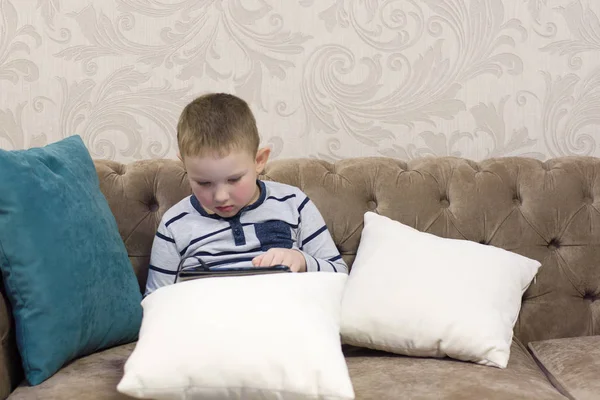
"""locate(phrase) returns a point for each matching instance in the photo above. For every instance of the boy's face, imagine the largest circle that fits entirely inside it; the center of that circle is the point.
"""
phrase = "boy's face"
(224, 185)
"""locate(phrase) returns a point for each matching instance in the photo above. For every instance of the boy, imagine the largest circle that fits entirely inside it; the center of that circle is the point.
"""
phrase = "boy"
(232, 219)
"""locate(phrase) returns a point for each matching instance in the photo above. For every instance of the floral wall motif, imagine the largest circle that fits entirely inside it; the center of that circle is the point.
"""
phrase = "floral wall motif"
(329, 79)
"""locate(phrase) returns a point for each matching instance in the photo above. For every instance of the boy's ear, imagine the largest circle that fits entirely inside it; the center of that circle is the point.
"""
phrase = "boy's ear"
(262, 156)
(179, 156)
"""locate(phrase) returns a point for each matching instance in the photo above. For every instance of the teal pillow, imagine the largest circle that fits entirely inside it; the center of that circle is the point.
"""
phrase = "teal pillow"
(64, 265)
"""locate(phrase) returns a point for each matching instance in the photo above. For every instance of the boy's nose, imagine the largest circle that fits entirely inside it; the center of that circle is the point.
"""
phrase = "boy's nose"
(221, 196)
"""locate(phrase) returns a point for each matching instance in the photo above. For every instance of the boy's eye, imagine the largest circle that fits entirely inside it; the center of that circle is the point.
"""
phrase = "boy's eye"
(233, 180)
(203, 183)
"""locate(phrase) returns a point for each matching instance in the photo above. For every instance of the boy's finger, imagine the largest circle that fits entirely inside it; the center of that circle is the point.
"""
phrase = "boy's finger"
(278, 259)
(256, 260)
(267, 260)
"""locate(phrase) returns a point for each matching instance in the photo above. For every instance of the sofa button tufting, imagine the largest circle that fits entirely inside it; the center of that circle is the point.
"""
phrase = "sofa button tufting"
(517, 200)
(153, 205)
(120, 170)
(444, 202)
(588, 200)
(591, 297)
(554, 244)
(372, 205)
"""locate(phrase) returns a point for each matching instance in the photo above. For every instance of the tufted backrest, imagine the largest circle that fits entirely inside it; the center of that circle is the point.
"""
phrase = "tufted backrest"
(547, 211)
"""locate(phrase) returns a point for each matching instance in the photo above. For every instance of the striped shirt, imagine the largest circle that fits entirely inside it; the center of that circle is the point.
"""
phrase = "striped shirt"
(282, 217)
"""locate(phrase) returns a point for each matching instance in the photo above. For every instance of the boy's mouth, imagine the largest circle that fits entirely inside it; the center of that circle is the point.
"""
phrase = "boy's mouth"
(224, 209)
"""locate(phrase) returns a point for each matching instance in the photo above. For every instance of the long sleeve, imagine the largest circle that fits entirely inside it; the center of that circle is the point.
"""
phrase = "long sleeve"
(316, 243)
(164, 260)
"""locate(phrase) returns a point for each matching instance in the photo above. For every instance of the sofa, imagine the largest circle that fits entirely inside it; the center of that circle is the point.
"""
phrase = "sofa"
(549, 211)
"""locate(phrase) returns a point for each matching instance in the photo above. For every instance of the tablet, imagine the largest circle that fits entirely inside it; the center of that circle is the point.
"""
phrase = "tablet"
(201, 272)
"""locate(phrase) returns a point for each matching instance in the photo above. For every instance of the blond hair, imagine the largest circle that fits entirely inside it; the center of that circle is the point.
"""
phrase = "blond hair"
(217, 123)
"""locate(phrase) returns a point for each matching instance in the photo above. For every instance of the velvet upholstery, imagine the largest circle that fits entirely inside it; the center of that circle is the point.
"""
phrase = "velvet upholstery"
(544, 210)
(11, 372)
(571, 364)
(548, 211)
(375, 375)
(379, 375)
(89, 378)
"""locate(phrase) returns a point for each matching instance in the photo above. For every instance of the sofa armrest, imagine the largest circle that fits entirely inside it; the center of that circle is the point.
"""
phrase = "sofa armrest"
(11, 372)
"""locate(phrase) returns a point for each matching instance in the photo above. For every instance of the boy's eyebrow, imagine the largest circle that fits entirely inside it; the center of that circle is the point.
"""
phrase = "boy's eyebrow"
(240, 173)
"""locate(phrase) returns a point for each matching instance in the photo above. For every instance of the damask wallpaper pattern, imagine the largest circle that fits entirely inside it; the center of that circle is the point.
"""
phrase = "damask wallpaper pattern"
(326, 78)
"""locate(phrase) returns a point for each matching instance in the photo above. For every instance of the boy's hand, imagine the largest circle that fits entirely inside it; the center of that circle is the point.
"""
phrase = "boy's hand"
(288, 257)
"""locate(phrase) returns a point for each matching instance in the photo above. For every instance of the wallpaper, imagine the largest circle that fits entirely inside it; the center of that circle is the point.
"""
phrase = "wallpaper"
(328, 79)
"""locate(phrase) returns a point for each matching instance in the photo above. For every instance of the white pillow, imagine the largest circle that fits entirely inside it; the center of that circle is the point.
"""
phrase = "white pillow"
(254, 337)
(417, 294)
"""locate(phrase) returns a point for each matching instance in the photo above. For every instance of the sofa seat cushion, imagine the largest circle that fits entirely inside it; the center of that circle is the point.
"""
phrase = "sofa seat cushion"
(375, 375)
(380, 375)
(571, 364)
(88, 378)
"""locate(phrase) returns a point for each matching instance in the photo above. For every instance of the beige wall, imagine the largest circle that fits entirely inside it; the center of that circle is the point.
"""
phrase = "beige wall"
(328, 79)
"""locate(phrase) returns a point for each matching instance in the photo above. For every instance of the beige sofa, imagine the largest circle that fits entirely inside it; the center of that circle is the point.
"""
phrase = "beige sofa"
(548, 211)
